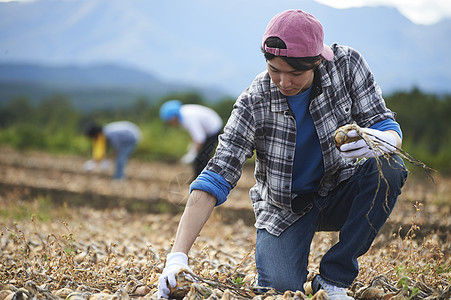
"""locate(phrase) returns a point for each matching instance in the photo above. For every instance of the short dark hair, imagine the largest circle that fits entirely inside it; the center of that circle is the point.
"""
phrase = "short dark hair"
(298, 63)
(92, 129)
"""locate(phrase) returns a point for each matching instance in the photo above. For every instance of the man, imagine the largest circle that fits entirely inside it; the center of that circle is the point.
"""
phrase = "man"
(304, 184)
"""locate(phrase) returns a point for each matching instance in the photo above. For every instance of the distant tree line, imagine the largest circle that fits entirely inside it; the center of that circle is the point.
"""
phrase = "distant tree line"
(426, 125)
(54, 125)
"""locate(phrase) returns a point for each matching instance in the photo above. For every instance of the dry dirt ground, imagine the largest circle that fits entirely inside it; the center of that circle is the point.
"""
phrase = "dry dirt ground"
(69, 234)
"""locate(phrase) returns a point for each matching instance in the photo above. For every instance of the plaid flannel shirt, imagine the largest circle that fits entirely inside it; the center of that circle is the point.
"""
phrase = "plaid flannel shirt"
(344, 92)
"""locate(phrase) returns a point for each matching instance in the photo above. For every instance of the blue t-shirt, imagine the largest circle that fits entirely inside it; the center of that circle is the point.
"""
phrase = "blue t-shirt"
(308, 160)
(308, 168)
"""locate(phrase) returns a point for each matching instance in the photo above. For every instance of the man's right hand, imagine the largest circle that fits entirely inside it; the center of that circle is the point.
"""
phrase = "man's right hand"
(197, 210)
(174, 262)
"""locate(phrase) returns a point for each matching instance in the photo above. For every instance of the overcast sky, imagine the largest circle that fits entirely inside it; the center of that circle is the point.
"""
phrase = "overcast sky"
(424, 12)
(418, 11)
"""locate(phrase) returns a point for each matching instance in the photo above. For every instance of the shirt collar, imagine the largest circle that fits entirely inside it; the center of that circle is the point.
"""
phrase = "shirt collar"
(279, 102)
(323, 74)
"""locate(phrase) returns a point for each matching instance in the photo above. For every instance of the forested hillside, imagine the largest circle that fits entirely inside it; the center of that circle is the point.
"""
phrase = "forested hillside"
(54, 125)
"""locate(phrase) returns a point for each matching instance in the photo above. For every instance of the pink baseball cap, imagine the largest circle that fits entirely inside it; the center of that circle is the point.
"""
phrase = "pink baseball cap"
(301, 32)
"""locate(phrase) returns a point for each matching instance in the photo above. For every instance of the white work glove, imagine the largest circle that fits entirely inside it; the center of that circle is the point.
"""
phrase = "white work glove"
(360, 149)
(105, 164)
(189, 157)
(174, 262)
(89, 165)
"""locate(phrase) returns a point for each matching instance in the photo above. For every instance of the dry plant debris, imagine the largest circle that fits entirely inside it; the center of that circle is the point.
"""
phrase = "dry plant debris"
(50, 249)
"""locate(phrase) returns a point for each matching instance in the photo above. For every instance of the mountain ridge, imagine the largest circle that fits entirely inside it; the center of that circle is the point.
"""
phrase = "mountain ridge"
(107, 74)
(216, 43)
(98, 86)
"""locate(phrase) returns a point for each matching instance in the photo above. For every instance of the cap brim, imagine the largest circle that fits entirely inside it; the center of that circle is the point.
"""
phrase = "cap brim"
(327, 53)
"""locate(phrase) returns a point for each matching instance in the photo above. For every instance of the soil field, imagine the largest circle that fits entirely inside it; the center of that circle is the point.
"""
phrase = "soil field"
(69, 234)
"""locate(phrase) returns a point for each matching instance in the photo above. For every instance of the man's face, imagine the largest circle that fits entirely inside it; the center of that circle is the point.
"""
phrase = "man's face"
(289, 81)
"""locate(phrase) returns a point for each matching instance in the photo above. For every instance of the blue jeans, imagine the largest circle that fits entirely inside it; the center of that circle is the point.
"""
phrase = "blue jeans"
(122, 155)
(353, 208)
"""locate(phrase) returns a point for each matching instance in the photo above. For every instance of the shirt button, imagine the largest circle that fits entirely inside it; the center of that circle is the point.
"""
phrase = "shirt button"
(290, 157)
(287, 186)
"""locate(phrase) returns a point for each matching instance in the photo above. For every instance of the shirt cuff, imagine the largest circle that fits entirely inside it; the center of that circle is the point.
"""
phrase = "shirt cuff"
(388, 124)
(213, 184)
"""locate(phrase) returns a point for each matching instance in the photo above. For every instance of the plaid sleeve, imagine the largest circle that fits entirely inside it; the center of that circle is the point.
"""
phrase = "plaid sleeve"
(236, 143)
(368, 104)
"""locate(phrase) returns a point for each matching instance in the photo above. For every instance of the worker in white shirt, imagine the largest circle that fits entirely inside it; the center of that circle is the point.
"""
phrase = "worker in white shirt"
(202, 123)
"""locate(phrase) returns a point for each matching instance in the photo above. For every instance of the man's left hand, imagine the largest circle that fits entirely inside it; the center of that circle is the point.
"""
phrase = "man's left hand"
(385, 140)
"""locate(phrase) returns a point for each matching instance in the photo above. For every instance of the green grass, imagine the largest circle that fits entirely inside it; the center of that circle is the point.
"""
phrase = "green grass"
(40, 209)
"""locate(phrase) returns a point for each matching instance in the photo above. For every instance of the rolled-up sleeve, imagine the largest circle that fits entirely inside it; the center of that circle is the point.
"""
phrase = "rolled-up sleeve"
(213, 184)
